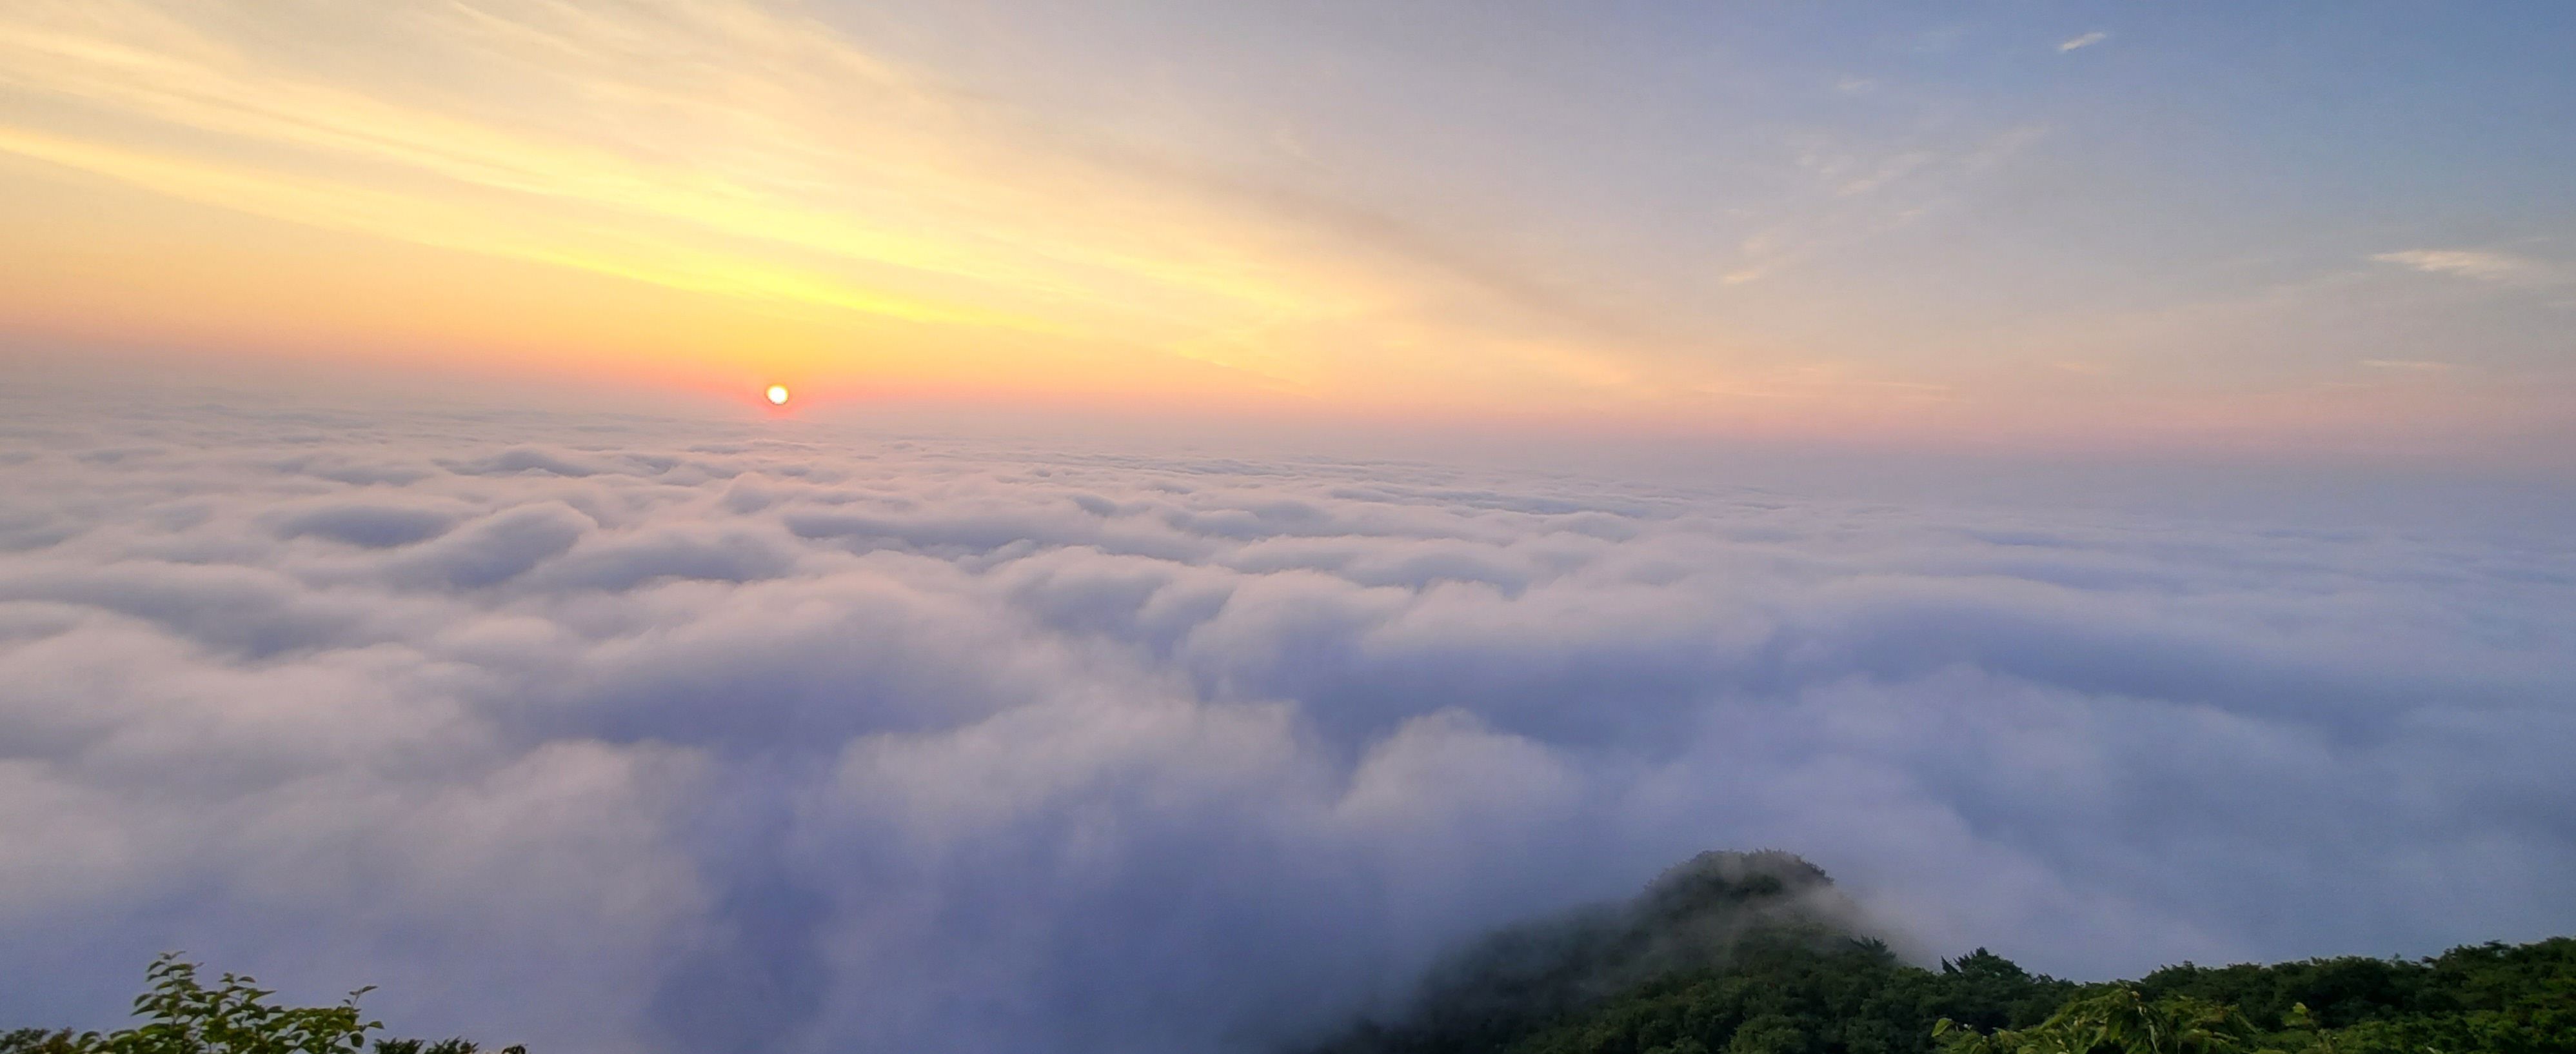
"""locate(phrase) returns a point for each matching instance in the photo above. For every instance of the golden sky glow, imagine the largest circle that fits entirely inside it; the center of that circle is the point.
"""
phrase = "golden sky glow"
(716, 193)
(876, 226)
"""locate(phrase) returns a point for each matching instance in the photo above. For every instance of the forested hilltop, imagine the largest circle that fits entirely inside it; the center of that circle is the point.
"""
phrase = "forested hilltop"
(1755, 954)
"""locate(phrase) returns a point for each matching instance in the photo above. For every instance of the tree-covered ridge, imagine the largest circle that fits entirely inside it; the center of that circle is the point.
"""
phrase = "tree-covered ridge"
(2489, 999)
(1749, 954)
(1796, 988)
(1729, 953)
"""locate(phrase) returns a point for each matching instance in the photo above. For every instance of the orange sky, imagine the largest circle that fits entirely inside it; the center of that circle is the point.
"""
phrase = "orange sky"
(718, 194)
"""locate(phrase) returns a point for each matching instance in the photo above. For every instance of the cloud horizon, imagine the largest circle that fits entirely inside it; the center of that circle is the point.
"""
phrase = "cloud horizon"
(631, 733)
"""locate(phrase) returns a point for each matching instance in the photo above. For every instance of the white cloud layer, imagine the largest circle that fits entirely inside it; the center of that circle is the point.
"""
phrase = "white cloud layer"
(620, 735)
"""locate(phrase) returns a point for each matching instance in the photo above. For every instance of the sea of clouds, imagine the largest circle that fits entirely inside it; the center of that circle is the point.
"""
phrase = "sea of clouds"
(611, 733)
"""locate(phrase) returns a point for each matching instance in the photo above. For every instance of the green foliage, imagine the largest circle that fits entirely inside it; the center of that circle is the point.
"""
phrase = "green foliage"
(2489, 999)
(1786, 990)
(1782, 993)
(1775, 984)
(1710, 911)
(2116, 1021)
(183, 1015)
(39, 1041)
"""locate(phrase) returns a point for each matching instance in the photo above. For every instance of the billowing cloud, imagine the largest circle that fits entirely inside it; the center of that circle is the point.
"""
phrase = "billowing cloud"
(679, 736)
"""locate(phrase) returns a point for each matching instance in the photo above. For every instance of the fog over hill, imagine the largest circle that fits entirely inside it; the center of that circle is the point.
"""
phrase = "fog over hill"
(611, 733)
(1693, 917)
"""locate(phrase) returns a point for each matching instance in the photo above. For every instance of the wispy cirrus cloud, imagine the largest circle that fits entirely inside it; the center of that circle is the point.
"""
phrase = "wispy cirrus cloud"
(2483, 265)
(2085, 41)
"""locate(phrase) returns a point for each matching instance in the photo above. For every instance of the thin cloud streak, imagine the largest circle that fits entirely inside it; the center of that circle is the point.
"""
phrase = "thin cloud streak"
(2483, 265)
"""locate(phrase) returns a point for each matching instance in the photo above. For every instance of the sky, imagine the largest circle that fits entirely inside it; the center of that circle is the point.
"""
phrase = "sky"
(1270, 494)
(2267, 230)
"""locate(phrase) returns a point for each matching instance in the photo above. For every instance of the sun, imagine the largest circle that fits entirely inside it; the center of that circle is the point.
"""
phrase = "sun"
(778, 395)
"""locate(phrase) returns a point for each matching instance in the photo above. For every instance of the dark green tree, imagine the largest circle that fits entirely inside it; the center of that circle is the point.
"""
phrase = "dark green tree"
(183, 1015)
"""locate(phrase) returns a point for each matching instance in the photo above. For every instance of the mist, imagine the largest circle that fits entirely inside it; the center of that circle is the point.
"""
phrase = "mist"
(656, 732)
